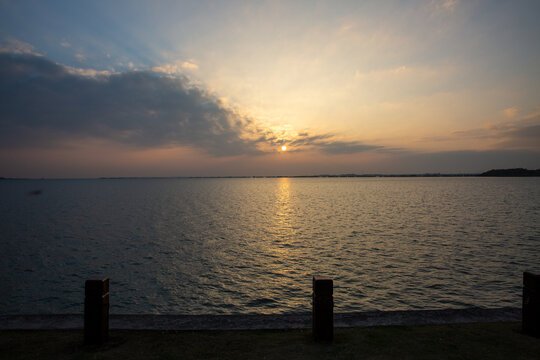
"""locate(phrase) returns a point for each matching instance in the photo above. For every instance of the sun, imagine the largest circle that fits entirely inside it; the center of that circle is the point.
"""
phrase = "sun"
(283, 148)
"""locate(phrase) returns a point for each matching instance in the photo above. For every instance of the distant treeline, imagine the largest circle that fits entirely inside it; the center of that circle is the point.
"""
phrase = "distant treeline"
(511, 172)
(494, 172)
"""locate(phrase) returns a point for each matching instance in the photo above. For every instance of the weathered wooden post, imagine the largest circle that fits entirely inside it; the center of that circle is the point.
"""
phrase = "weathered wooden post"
(96, 311)
(531, 304)
(323, 309)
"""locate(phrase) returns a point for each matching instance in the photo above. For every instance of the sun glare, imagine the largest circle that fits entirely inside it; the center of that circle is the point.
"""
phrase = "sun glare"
(283, 148)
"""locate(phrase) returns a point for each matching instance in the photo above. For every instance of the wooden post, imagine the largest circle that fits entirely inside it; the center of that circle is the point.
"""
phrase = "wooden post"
(323, 309)
(531, 304)
(96, 311)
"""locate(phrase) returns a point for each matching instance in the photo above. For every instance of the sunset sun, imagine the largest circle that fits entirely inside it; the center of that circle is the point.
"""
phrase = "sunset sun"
(283, 148)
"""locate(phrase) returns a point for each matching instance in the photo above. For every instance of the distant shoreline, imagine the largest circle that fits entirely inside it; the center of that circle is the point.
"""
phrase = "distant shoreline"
(517, 172)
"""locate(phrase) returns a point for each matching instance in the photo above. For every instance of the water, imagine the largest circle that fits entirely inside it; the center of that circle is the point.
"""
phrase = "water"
(208, 246)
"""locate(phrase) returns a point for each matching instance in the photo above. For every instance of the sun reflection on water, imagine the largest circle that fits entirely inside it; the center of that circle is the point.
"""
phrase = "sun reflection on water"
(283, 228)
(283, 207)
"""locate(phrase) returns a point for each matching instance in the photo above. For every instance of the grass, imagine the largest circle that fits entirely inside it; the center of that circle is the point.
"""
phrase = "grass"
(502, 340)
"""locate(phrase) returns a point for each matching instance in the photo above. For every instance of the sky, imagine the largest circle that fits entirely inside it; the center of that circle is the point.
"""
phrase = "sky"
(217, 88)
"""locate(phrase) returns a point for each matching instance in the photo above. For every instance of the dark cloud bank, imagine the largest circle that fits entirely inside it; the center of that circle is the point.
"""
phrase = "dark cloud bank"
(43, 103)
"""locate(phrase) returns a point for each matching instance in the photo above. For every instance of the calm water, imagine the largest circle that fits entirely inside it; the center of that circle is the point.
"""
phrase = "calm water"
(195, 246)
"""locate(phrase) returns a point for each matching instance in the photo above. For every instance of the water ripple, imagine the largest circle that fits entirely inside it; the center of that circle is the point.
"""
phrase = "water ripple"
(197, 246)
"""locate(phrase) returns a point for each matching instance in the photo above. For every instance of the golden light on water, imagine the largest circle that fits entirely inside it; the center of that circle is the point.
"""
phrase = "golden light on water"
(283, 148)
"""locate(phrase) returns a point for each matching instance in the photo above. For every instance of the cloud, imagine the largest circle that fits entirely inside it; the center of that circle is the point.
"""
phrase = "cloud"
(510, 112)
(526, 137)
(380, 73)
(450, 5)
(175, 68)
(171, 69)
(439, 7)
(346, 147)
(44, 103)
(532, 132)
(521, 133)
(189, 65)
(329, 144)
(87, 72)
(80, 56)
(14, 46)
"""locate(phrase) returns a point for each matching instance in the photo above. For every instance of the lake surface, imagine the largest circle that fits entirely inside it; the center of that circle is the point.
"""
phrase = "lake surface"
(210, 246)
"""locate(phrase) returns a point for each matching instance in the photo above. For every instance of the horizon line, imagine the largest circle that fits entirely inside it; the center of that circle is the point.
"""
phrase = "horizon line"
(518, 172)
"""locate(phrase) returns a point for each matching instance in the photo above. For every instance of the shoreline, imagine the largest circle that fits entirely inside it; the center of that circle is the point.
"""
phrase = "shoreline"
(263, 321)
